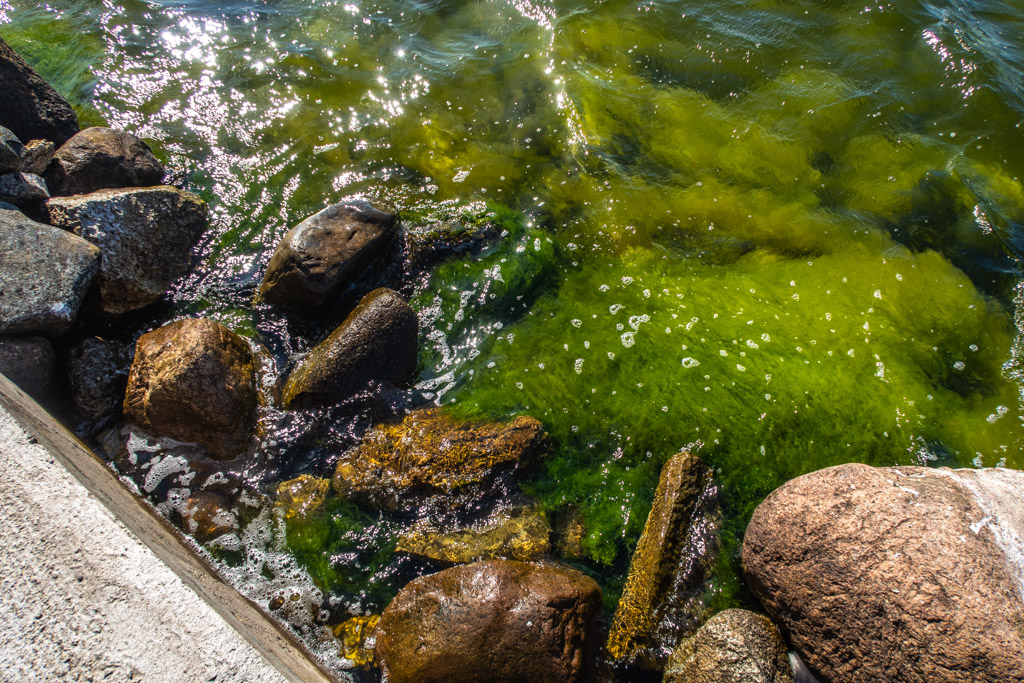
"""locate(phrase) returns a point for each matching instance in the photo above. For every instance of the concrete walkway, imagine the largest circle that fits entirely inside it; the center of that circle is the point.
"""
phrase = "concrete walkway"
(82, 599)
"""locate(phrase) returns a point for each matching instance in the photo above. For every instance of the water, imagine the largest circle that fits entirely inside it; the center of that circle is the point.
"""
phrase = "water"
(783, 234)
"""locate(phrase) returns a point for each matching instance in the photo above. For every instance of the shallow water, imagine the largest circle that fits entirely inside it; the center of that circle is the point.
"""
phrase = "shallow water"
(783, 234)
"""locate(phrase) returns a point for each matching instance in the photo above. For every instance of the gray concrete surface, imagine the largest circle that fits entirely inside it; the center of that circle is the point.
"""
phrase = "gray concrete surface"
(82, 599)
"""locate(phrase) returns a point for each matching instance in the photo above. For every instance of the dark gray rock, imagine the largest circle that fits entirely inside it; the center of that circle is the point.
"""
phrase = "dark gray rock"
(376, 342)
(29, 106)
(145, 235)
(97, 374)
(28, 362)
(11, 151)
(38, 154)
(100, 158)
(734, 646)
(22, 188)
(321, 256)
(44, 275)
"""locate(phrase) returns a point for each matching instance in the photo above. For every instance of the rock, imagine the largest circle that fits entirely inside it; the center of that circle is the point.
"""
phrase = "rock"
(734, 646)
(491, 621)
(28, 362)
(30, 107)
(97, 374)
(302, 496)
(376, 342)
(353, 635)
(430, 453)
(570, 530)
(895, 574)
(663, 591)
(37, 156)
(100, 158)
(44, 275)
(194, 381)
(22, 188)
(11, 151)
(523, 534)
(323, 254)
(145, 236)
(426, 246)
(205, 516)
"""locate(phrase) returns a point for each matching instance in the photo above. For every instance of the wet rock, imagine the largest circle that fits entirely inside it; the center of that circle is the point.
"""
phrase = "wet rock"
(22, 188)
(523, 534)
(97, 375)
(11, 151)
(662, 595)
(302, 496)
(354, 635)
(734, 646)
(37, 156)
(100, 158)
(426, 246)
(321, 256)
(44, 275)
(895, 574)
(430, 453)
(194, 381)
(376, 342)
(206, 516)
(145, 236)
(491, 621)
(28, 362)
(569, 534)
(30, 107)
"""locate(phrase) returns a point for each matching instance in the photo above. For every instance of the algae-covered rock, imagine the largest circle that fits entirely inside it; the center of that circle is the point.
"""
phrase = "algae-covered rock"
(570, 530)
(376, 342)
(522, 534)
(194, 381)
(321, 256)
(431, 453)
(99, 158)
(302, 496)
(734, 646)
(670, 561)
(491, 621)
(353, 635)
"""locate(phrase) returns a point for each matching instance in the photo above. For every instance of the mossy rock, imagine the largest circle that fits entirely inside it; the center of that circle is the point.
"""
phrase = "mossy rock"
(522, 534)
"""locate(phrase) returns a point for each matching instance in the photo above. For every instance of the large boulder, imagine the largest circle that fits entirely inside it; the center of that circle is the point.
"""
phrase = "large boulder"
(895, 574)
(664, 591)
(377, 342)
(44, 275)
(497, 620)
(521, 534)
(734, 646)
(29, 106)
(100, 158)
(321, 256)
(28, 362)
(97, 373)
(145, 236)
(429, 453)
(194, 381)
(12, 151)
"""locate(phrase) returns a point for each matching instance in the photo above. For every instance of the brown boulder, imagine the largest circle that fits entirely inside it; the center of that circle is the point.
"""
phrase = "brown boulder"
(895, 574)
(378, 341)
(321, 256)
(194, 381)
(100, 158)
(29, 106)
(734, 646)
(497, 620)
(430, 453)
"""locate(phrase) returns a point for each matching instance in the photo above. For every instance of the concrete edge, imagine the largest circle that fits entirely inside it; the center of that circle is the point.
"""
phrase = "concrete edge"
(282, 649)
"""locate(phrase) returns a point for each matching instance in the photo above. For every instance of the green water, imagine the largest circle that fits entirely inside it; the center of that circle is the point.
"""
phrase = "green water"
(785, 235)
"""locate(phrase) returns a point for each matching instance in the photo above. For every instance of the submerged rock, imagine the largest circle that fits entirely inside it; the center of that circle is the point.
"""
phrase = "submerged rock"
(97, 375)
(44, 272)
(354, 634)
(895, 574)
(194, 381)
(206, 516)
(322, 255)
(145, 235)
(11, 151)
(672, 559)
(29, 106)
(302, 496)
(22, 188)
(430, 453)
(100, 158)
(491, 621)
(734, 646)
(376, 342)
(29, 363)
(523, 534)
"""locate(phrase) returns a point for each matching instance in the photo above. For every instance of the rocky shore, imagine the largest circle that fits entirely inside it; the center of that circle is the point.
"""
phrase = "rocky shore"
(862, 573)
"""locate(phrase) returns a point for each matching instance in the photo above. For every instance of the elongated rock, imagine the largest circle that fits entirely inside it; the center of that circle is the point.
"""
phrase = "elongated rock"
(29, 106)
(522, 535)
(671, 558)
(100, 158)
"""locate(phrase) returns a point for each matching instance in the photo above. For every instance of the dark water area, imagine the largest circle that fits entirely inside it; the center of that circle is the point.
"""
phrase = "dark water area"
(782, 234)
